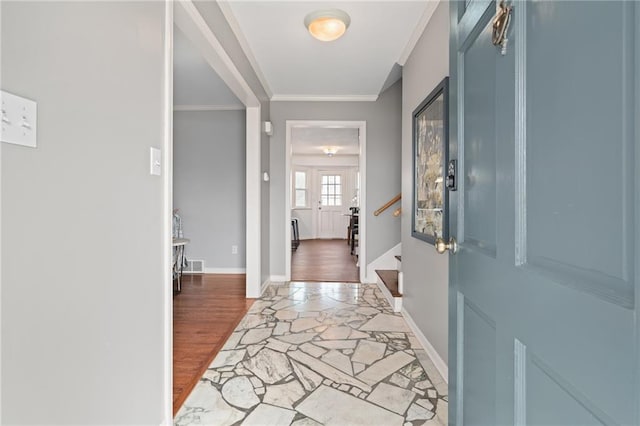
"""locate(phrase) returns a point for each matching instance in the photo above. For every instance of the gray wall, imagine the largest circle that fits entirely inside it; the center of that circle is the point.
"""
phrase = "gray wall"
(209, 184)
(82, 258)
(383, 164)
(426, 275)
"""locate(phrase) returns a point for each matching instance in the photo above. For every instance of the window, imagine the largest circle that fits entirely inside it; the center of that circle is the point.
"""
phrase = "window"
(300, 190)
(331, 192)
(355, 202)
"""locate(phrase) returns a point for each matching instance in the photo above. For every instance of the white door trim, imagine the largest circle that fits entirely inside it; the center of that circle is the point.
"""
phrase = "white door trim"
(0, 237)
(187, 17)
(362, 167)
(167, 217)
(253, 204)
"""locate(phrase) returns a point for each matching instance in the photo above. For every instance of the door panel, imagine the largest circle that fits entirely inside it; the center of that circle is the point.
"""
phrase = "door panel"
(554, 402)
(480, 344)
(585, 148)
(480, 151)
(543, 328)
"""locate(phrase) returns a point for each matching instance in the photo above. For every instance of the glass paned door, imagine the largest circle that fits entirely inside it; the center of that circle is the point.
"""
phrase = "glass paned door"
(331, 219)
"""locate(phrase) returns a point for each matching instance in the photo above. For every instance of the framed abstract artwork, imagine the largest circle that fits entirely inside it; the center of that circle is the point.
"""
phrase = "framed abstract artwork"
(430, 156)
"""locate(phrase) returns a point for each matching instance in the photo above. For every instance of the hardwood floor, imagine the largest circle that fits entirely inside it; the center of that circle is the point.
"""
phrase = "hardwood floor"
(204, 315)
(324, 260)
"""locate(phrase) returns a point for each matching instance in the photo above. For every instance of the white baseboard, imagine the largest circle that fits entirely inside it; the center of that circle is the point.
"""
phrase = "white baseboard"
(278, 279)
(395, 302)
(225, 270)
(386, 261)
(264, 286)
(439, 363)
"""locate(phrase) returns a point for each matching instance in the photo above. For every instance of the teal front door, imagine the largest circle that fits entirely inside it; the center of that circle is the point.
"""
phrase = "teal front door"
(544, 287)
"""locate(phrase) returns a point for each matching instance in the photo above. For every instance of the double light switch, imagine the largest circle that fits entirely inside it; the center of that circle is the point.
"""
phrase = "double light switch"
(19, 120)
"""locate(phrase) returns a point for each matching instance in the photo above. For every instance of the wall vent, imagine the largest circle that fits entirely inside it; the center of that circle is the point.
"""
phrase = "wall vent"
(194, 267)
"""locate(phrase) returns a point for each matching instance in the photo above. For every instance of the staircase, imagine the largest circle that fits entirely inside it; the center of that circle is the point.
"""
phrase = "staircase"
(390, 283)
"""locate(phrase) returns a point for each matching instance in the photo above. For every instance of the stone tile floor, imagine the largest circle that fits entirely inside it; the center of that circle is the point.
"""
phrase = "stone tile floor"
(319, 354)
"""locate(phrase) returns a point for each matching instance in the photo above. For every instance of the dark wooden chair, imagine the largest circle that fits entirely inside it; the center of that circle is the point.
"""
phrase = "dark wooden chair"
(295, 234)
(353, 211)
(354, 233)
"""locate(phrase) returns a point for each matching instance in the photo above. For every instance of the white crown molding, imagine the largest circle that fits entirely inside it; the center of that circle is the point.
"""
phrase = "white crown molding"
(315, 155)
(244, 44)
(417, 33)
(324, 98)
(208, 107)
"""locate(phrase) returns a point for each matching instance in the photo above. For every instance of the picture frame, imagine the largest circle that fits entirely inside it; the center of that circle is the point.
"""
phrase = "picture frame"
(430, 157)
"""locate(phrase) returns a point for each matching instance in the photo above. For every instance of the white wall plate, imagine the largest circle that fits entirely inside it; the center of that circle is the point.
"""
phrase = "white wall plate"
(19, 120)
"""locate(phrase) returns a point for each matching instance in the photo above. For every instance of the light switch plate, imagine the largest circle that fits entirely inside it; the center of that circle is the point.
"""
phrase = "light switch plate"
(155, 157)
(267, 127)
(19, 120)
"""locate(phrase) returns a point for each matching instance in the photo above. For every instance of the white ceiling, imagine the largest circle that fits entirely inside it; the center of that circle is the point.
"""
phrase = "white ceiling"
(195, 83)
(293, 65)
(311, 140)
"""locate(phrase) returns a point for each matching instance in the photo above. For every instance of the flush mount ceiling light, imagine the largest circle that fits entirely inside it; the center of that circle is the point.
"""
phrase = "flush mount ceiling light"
(330, 150)
(327, 25)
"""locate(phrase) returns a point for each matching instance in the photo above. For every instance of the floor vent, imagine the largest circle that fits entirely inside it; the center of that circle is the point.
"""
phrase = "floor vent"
(194, 267)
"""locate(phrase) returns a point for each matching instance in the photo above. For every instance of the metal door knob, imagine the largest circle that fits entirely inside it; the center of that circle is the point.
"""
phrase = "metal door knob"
(442, 245)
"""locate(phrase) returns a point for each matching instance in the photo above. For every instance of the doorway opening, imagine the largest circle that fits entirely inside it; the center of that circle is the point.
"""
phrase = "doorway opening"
(209, 90)
(209, 191)
(325, 232)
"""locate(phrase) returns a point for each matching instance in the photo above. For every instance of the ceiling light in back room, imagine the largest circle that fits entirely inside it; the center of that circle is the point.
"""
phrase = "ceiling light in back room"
(327, 25)
(330, 150)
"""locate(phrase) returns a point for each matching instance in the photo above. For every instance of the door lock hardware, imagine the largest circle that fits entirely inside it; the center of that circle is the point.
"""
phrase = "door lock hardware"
(442, 246)
(450, 181)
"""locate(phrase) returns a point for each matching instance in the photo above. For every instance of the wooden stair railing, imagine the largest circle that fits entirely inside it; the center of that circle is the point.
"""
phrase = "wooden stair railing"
(388, 204)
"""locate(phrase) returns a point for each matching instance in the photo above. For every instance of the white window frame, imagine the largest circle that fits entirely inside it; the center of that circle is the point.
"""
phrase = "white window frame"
(336, 197)
(294, 189)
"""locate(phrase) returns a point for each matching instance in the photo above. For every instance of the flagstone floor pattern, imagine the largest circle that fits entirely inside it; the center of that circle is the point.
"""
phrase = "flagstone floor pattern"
(319, 354)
